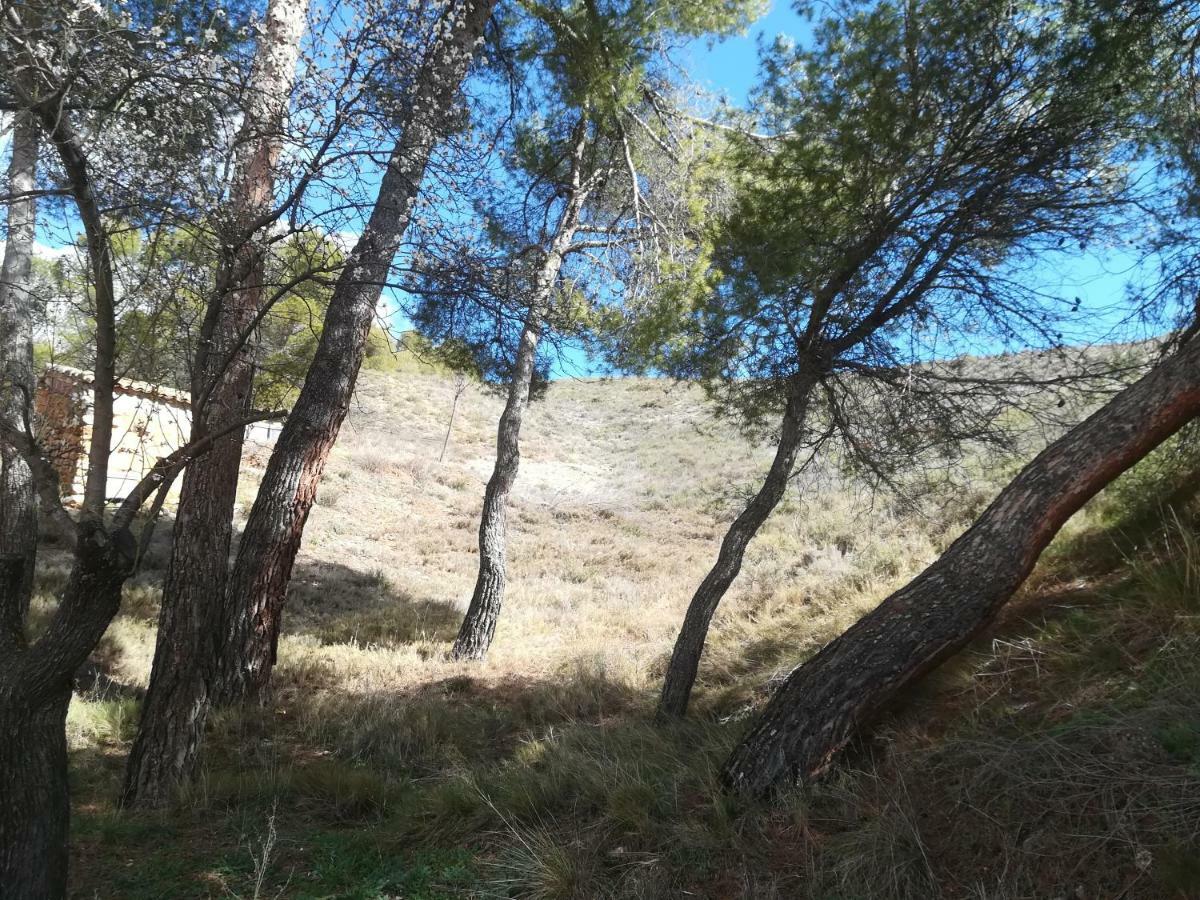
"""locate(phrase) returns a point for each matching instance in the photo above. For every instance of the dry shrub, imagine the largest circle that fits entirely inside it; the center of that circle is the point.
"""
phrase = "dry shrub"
(377, 461)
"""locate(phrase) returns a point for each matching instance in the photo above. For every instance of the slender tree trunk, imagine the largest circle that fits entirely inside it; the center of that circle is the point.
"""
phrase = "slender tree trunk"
(254, 598)
(173, 715)
(18, 499)
(826, 699)
(685, 659)
(460, 385)
(479, 625)
(69, 145)
(34, 809)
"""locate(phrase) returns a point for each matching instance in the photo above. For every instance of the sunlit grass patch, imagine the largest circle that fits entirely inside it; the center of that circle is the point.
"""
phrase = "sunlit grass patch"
(92, 723)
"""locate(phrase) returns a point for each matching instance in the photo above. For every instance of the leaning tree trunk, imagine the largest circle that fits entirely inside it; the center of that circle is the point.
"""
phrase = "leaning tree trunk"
(825, 700)
(35, 690)
(249, 629)
(173, 715)
(685, 659)
(18, 504)
(479, 625)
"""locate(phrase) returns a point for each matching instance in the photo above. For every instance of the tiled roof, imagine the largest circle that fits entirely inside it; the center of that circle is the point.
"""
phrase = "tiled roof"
(127, 385)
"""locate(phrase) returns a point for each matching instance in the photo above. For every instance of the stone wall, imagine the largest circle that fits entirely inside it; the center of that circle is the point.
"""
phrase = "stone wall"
(61, 405)
(149, 422)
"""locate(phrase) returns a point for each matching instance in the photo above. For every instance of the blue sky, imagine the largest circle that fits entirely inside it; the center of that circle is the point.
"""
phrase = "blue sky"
(732, 65)
(729, 68)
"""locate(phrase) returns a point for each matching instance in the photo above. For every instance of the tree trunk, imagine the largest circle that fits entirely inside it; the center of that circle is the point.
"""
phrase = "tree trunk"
(61, 132)
(249, 630)
(174, 712)
(35, 690)
(479, 625)
(18, 511)
(35, 809)
(35, 678)
(825, 700)
(685, 659)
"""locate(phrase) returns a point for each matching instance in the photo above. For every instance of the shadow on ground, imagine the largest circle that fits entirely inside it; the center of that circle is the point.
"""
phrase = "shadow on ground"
(337, 604)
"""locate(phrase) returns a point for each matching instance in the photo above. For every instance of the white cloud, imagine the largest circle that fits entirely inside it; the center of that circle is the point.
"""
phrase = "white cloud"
(42, 251)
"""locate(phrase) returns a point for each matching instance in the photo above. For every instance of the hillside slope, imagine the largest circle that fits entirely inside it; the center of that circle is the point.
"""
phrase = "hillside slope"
(624, 491)
(383, 769)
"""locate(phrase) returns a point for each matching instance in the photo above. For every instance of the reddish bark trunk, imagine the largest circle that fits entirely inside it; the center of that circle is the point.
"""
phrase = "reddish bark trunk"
(258, 584)
(174, 712)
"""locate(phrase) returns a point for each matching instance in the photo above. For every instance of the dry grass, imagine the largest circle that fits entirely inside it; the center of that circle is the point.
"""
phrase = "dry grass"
(624, 492)
(389, 770)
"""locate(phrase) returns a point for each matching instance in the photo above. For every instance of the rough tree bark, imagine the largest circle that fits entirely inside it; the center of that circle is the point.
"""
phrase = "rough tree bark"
(35, 689)
(18, 509)
(34, 803)
(685, 658)
(479, 625)
(172, 720)
(822, 702)
(249, 630)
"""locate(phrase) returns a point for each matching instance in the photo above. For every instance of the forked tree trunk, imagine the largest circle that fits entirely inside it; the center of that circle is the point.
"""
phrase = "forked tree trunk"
(822, 703)
(479, 625)
(685, 659)
(35, 690)
(249, 629)
(173, 715)
(35, 679)
(18, 504)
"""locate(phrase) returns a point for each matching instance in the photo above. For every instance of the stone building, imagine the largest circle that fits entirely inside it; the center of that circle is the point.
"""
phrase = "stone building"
(149, 422)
